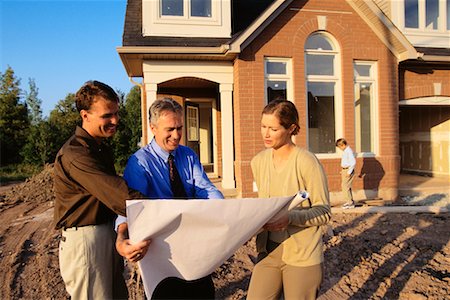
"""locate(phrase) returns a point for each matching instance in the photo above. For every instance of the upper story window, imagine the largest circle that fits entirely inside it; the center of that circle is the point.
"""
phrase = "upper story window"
(425, 23)
(278, 79)
(424, 14)
(186, 18)
(183, 8)
(411, 13)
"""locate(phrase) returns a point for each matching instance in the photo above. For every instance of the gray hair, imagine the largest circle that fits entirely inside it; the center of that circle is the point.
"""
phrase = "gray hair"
(162, 105)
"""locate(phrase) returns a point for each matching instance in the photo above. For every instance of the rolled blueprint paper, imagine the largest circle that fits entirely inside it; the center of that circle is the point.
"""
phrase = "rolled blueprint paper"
(299, 198)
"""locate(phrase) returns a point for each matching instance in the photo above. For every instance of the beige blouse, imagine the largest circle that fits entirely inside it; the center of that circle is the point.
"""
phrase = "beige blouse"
(302, 241)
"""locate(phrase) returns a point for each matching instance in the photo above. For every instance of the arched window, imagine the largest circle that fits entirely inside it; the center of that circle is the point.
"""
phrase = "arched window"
(322, 77)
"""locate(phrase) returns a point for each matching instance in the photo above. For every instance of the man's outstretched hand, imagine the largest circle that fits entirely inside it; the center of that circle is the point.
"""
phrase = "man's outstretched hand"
(132, 252)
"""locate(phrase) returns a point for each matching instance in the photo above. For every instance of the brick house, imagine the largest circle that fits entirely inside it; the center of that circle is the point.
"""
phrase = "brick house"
(344, 63)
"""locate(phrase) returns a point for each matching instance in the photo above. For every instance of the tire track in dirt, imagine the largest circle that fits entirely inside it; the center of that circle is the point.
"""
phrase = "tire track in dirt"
(29, 255)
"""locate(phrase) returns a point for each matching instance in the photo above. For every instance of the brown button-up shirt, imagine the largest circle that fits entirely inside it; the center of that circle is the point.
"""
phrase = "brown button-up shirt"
(88, 190)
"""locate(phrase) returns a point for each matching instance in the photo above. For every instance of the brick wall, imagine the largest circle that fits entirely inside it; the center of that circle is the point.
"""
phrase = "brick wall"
(285, 37)
(420, 81)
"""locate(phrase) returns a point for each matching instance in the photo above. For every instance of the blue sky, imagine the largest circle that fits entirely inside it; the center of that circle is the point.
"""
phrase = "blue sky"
(62, 44)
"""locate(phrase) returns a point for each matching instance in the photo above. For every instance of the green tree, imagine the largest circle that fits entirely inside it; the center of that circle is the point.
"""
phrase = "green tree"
(34, 103)
(14, 122)
(62, 120)
(38, 147)
(125, 141)
(42, 144)
(133, 118)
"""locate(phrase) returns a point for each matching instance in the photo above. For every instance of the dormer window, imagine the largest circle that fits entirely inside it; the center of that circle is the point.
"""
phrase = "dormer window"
(186, 8)
(427, 12)
(426, 23)
(186, 18)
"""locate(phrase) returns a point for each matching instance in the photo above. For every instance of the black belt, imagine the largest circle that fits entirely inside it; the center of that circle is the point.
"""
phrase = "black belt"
(75, 228)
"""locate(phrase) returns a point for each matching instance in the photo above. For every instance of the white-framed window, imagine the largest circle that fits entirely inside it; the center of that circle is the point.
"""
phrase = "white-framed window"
(277, 73)
(186, 8)
(322, 67)
(186, 18)
(365, 89)
(424, 22)
(192, 123)
(426, 14)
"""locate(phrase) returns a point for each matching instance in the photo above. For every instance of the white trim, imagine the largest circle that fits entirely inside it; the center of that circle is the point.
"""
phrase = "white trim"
(336, 79)
(158, 71)
(322, 22)
(140, 50)
(436, 58)
(213, 103)
(365, 154)
(338, 155)
(226, 109)
(327, 155)
(434, 100)
(192, 136)
(187, 18)
(217, 26)
(374, 103)
(279, 77)
(214, 132)
(428, 39)
(421, 36)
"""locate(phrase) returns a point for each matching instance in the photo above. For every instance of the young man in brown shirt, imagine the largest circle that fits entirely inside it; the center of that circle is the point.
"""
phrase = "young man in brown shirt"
(89, 195)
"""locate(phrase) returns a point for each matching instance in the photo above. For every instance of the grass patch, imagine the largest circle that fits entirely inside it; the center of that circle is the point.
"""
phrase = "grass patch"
(18, 172)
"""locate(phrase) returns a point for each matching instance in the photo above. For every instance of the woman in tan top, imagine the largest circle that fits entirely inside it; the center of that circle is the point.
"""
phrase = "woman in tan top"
(290, 249)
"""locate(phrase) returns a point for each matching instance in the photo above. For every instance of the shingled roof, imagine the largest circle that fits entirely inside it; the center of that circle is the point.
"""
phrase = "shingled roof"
(244, 12)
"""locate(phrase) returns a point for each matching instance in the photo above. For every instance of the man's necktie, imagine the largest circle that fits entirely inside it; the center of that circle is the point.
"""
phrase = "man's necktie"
(175, 180)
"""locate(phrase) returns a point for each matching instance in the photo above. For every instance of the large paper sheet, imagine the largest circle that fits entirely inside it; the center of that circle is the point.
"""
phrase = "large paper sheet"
(190, 239)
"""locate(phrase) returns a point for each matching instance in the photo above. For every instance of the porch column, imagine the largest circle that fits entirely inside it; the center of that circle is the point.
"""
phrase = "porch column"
(150, 90)
(226, 108)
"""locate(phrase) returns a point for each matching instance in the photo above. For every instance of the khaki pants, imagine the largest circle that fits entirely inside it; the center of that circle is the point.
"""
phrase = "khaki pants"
(90, 266)
(271, 276)
(346, 185)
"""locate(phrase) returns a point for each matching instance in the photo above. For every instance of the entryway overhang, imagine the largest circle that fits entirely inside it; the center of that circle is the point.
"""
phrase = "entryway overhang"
(133, 57)
(428, 101)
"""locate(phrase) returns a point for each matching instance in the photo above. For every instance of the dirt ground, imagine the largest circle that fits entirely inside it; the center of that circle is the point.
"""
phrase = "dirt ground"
(367, 256)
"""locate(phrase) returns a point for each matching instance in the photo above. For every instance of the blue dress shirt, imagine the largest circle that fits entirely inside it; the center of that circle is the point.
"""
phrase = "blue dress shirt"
(147, 171)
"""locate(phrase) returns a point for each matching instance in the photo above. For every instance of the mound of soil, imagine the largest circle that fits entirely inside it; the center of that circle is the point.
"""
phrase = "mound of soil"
(367, 256)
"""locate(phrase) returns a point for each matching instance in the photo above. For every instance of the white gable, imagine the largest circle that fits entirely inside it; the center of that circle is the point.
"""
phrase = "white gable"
(183, 19)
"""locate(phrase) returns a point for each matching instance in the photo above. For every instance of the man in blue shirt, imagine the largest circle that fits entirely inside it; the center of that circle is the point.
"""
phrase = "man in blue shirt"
(150, 172)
